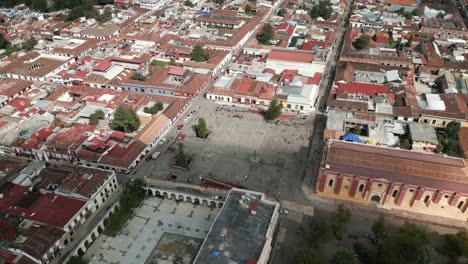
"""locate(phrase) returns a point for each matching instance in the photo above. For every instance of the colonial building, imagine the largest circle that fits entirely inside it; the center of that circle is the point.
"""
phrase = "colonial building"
(395, 179)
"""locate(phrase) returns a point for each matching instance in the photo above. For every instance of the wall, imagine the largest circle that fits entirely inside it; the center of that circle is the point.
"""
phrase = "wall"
(392, 195)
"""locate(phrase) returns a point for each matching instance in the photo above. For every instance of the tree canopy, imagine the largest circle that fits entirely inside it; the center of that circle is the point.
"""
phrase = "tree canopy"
(274, 111)
(345, 256)
(154, 109)
(3, 42)
(341, 219)
(181, 158)
(95, 117)
(266, 35)
(189, 3)
(202, 131)
(125, 120)
(362, 42)
(456, 245)
(248, 9)
(282, 12)
(323, 10)
(307, 256)
(199, 54)
(29, 44)
(380, 228)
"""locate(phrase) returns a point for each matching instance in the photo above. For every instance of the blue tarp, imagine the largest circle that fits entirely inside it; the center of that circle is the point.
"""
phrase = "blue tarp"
(351, 137)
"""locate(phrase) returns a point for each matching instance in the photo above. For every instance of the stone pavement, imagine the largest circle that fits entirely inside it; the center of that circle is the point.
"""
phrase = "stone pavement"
(137, 240)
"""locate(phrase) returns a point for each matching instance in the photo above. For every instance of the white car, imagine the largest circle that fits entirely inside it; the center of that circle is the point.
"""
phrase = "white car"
(162, 141)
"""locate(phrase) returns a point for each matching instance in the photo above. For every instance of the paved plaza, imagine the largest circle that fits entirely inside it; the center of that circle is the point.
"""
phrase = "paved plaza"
(155, 219)
(226, 154)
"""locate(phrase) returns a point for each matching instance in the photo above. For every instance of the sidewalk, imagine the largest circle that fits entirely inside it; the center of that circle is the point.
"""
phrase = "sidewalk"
(356, 208)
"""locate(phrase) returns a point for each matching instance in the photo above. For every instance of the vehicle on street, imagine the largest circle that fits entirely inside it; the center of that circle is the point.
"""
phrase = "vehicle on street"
(283, 211)
(162, 141)
(156, 155)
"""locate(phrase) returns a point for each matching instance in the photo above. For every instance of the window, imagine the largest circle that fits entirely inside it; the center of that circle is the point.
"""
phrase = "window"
(446, 196)
(395, 193)
(289, 106)
(361, 187)
(301, 107)
(330, 183)
(411, 190)
(460, 205)
(426, 199)
(380, 185)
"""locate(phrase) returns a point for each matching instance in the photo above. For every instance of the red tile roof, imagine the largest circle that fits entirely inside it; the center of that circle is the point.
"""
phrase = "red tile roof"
(401, 2)
(20, 103)
(48, 208)
(103, 66)
(404, 166)
(365, 88)
(294, 56)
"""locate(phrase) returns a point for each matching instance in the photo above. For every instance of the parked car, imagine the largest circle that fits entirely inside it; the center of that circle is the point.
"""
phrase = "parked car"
(283, 211)
(179, 127)
(155, 155)
(162, 141)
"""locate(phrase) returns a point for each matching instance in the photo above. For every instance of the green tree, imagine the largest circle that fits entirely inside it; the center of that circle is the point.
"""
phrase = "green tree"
(362, 42)
(405, 144)
(456, 245)
(188, 3)
(199, 54)
(266, 35)
(274, 110)
(307, 256)
(39, 5)
(3, 42)
(76, 260)
(106, 15)
(154, 109)
(202, 131)
(341, 219)
(125, 120)
(318, 232)
(29, 44)
(410, 41)
(105, 2)
(138, 77)
(380, 228)
(452, 129)
(323, 10)
(410, 240)
(181, 158)
(426, 254)
(345, 256)
(364, 253)
(282, 12)
(248, 10)
(95, 117)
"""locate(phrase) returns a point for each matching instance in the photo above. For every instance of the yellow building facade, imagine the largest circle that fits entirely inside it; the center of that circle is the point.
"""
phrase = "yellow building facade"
(395, 179)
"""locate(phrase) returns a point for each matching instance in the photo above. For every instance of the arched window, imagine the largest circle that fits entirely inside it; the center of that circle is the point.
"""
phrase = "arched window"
(426, 199)
(330, 183)
(395, 193)
(361, 188)
(460, 205)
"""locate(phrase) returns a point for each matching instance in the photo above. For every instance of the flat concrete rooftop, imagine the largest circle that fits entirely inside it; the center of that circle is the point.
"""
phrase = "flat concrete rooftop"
(237, 235)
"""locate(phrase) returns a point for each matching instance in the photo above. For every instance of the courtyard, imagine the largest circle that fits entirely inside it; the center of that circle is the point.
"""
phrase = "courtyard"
(159, 231)
(241, 148)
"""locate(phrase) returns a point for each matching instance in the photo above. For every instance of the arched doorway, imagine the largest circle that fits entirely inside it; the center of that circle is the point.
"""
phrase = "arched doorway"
(375, 198)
